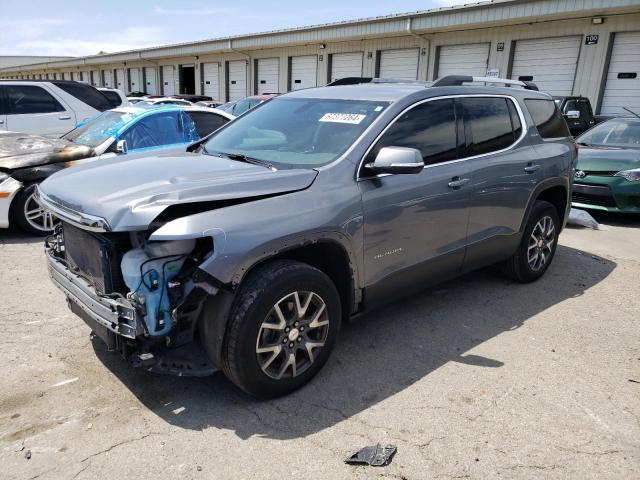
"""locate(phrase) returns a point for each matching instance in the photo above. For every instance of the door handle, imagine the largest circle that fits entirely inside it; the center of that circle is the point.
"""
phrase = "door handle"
(531, 168)
(457, 182)
(64, 117)
(1, 122)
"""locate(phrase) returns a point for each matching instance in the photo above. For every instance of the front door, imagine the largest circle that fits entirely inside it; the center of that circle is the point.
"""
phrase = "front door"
(32, 109)
(415, 225)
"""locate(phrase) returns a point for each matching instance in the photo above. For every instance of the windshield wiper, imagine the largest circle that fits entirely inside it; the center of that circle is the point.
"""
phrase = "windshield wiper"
(244, 158)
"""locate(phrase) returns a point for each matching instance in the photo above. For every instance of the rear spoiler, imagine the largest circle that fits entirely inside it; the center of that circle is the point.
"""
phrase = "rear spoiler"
(458, 80)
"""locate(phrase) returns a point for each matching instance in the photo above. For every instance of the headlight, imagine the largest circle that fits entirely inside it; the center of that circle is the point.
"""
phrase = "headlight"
(631, 175)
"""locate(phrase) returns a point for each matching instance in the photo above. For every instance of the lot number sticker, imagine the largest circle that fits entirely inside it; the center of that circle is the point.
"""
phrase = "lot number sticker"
(354, 118)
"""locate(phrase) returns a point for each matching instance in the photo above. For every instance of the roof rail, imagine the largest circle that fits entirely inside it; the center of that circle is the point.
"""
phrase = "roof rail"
(358, 80)
(458, 80)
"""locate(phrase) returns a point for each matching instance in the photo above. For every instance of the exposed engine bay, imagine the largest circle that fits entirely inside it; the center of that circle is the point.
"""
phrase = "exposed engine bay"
(147, 285)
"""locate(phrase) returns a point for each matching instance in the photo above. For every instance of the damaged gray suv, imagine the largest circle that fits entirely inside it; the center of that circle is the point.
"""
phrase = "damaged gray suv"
(248, 251)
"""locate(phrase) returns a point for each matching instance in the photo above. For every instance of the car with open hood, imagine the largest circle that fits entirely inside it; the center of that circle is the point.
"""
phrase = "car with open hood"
(607, 176)
(248, 251)
(26, 160)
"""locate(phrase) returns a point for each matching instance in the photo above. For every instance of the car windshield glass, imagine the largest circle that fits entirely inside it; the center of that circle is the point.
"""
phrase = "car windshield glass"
(614, 133)
(297, 132)
(244, 105)
(98, 130)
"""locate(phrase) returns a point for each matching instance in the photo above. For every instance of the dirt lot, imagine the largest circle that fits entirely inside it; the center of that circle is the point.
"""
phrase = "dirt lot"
(479, 378)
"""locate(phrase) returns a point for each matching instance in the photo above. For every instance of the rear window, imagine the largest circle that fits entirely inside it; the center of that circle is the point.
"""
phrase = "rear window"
(113, 97)
(489, 125)
(547, 117)
(87, 94)
(207, 122)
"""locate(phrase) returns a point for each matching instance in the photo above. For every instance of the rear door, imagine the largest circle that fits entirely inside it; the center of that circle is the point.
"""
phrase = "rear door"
(33, 109)
(503, 172)
(415, 225)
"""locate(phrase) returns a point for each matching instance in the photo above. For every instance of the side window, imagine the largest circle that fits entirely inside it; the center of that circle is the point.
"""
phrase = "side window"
(22, 99)
(207, 122)
(487, 124)
(429, 127)
(515, 120)
(156, 130)
(547, 117)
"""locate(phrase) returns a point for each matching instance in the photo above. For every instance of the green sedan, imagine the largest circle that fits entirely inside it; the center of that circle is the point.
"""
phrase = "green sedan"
(608, 172)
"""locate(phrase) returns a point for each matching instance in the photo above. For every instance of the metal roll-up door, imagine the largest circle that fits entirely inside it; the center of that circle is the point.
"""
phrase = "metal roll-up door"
(401, 63)
(304, 72)
(150, 86)
(108, 78)
(267, 75)
(470, 59)
(549, 62)
(168, 81)
(237, 75)
(211, 80)
(135, 84)
(121, 83)
(95, 78)
(622, 87)
(346, 65)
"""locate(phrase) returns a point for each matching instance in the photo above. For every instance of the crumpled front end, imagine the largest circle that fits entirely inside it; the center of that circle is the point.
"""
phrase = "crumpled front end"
(138, 296)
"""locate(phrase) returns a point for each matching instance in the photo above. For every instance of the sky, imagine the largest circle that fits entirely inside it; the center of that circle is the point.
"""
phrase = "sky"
(77, 28)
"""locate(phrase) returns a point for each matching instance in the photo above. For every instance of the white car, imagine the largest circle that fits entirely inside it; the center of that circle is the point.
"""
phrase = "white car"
(48, 107)
(164, 101)
(26, 160)
(115, 96)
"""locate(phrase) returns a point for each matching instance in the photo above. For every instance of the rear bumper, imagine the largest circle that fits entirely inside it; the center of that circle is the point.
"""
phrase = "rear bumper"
(115, 316)
(8, 190)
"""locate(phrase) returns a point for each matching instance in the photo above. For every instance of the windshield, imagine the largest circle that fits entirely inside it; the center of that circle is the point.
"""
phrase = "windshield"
(289, 133)
(621, 132)
(97, 131)
(244, 105)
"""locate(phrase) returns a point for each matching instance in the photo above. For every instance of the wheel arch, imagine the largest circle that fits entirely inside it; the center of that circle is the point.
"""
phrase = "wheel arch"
(556, 192)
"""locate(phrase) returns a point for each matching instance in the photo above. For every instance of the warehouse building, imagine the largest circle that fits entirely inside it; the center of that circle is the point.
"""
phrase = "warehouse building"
(579, 47)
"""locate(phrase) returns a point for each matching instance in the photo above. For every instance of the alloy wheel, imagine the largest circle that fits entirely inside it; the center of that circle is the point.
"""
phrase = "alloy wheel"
(541, 243)
(292, 335)
(36, 216)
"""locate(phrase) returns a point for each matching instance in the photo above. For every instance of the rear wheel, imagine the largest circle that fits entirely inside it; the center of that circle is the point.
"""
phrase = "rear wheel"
(29, 214)
(282, 328)
(538, 245)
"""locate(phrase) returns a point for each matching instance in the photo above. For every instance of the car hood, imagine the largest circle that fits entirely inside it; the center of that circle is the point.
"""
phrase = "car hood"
(128, 194)
(20, 150)
(607, 159)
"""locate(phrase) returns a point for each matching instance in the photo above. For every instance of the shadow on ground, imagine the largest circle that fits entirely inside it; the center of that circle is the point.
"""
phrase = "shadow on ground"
(628, 220)
(15, 236)
(376, 357)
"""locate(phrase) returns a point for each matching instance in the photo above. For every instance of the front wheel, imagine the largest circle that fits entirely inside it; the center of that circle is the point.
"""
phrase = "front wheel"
(282, 327)
(538, 245)
(29, 214)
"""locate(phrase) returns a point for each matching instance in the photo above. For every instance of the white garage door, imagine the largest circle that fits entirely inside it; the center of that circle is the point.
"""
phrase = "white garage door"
(121, 83)
(168, 81)
(471, 59)
(211, 79)
(401, 63)
(623, 78)
(346, 65)
(268, 75)
(237, 88)
(95, 78)
(108, 78)
(550, 61)
(304, 72)
(135, 82)
(150, 81)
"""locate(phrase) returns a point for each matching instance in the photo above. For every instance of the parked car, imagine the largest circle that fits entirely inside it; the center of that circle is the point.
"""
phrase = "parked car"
(210, 104)
(607, 176)
(164, 101)
(318, 206)
(578, 113)
(26, 160)
(241, 106)
(48, 107)
(192, 98)
(115, 96)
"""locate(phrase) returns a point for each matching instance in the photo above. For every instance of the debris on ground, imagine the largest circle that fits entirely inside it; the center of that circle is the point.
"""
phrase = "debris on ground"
(376, 456)
(18, 447)
(27, 454)
(582, 218)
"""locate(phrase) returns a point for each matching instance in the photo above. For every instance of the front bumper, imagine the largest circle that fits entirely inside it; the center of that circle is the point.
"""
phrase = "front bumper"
(109, 316)
(606, 193)
(9, 187)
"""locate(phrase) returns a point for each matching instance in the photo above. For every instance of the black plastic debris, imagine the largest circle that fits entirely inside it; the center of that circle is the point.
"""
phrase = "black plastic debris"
(376, 456)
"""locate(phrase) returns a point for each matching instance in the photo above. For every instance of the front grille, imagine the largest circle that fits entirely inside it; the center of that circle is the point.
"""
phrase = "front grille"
(600, 200)
(96, 257)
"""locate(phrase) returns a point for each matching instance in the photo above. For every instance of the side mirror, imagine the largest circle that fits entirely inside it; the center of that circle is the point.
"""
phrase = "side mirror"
(397, 160)
(121, 146)
(572, 114)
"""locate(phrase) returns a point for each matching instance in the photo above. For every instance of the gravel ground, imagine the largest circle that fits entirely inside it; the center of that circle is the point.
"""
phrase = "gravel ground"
(478, 378)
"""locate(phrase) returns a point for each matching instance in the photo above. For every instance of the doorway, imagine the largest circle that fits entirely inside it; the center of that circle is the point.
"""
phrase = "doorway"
(187, 79)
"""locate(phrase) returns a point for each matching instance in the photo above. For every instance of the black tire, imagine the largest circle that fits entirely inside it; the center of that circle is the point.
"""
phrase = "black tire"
(265, 287)
(518, 267)
(18, 211)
